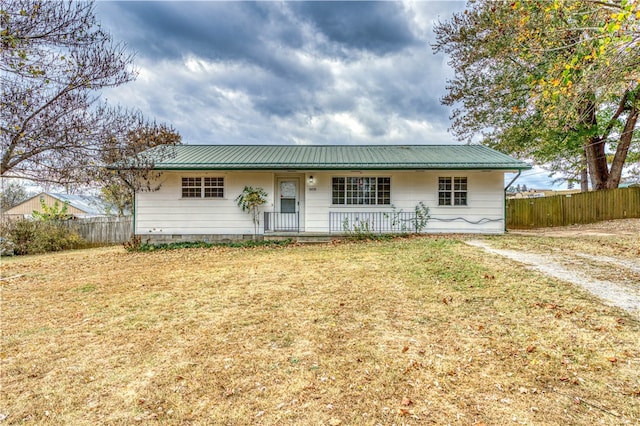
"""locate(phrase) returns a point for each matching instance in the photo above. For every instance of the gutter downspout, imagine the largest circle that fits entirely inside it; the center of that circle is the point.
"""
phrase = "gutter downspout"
(133, 213)
(505, 197)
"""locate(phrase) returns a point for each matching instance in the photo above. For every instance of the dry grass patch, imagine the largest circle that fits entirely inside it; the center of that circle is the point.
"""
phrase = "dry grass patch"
(619, 246)
(413, 331)
(614, 238)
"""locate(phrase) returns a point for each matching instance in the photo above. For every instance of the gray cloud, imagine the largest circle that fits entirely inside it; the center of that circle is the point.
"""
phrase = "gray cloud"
(173, 29)
(267, 72)
(378, 27)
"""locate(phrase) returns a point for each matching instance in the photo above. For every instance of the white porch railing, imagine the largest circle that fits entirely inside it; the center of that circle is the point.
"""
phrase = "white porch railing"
(281, 222)
(374, 222)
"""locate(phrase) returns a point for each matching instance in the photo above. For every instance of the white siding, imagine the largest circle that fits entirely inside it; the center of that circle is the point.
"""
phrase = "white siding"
(485, 202)
(165, 212)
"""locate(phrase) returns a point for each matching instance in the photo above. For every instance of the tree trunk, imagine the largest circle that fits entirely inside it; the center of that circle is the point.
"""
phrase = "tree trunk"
(584, 175)
(597, 160)
(595, 148)
(623, 148)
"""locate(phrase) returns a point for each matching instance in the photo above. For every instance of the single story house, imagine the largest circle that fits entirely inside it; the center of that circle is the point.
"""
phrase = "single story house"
(79, 206)
(323, 191)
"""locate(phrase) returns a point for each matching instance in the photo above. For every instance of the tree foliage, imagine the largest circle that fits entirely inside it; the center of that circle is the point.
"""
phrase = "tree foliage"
(54, 212)
(55, 60)
(130, 163)
(250, 201)
(556, 81)
(12, 194)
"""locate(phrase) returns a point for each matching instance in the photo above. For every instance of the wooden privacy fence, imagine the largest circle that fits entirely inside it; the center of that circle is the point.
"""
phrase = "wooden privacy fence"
(103, 230)
(585, 207)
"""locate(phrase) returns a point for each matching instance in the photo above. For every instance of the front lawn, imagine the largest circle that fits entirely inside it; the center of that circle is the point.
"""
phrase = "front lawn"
(412, 331)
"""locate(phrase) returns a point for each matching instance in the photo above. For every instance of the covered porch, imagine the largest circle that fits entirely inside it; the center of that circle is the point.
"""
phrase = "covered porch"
(350, 222)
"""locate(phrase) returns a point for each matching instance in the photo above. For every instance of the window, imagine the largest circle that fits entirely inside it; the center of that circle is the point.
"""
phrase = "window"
(199, 187)
(361, 190)
(213, 187)
(191, 188)
(452, 191)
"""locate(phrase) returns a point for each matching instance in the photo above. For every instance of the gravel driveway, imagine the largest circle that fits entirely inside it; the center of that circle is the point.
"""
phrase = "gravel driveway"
(615, 279)
(613, 293)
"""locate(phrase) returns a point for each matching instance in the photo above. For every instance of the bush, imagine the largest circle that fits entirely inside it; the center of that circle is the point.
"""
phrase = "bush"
(34, 237)
(136, 245)
(7, 248)
(133, 244)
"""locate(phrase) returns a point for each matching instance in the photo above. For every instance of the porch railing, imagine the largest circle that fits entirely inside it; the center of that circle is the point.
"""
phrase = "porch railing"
(284, 222)
(373, 222)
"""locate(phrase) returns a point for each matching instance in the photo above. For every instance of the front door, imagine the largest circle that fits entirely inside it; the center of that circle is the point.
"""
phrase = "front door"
(288, 204)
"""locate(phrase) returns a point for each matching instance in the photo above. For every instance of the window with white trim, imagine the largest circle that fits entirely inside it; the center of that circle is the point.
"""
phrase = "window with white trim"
(202, 187)
(452, 191)
(361, 190)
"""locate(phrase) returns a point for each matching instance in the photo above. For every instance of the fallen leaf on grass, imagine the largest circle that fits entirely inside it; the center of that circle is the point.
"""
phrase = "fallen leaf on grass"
(406, 348)
(403, 411)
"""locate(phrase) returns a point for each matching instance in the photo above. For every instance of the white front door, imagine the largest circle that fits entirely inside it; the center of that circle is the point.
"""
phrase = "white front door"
(287, 215)
(289, 202)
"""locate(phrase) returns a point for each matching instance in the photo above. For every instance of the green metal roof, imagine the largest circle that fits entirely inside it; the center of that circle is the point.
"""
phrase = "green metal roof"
(333, 157)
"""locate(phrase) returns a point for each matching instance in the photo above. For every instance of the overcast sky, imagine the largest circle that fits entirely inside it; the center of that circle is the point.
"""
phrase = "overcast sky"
(288, 72)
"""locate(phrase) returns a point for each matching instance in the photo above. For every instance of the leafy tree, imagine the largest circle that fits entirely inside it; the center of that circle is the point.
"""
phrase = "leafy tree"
(130, 159)
(54, 60)
(13, 193)
(555, 81)
(117, 196)
(250, 201)
(54, 212)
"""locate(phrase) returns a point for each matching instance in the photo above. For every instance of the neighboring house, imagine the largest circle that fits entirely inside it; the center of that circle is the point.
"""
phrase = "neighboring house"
(324, 190)
(540, 193)
(80, 206)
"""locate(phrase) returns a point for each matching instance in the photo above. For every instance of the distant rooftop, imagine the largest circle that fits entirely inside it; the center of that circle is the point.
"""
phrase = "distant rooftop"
(92, 206)
(333, 157)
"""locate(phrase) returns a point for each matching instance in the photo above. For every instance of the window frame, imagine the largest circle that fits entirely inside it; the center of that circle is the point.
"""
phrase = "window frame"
(453, 191)
(202, 187)
(378, 192)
